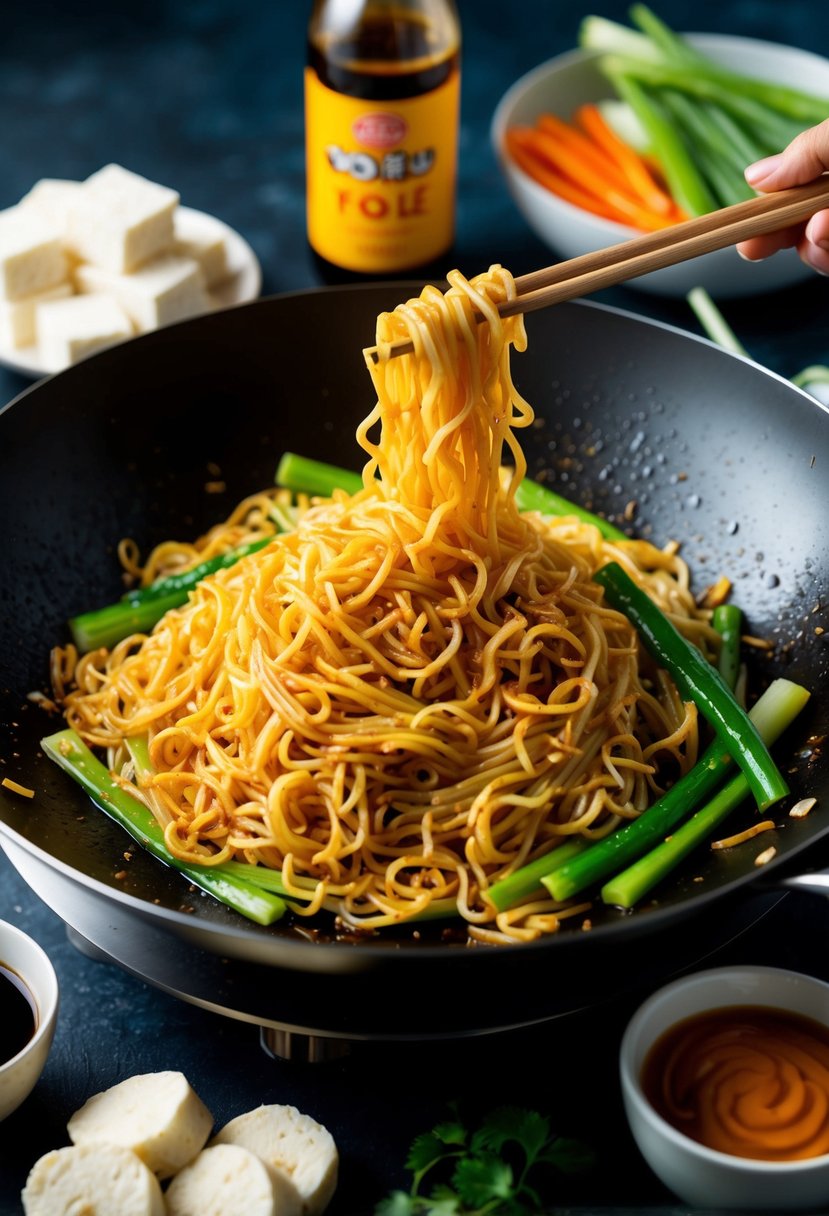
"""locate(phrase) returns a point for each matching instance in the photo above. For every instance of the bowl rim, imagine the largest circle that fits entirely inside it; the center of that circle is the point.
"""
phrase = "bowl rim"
(46, 1002)
(631, 1082)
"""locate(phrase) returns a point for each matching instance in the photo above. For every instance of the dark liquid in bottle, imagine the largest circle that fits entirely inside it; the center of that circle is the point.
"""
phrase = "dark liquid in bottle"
(18, 1018)
(388, 58)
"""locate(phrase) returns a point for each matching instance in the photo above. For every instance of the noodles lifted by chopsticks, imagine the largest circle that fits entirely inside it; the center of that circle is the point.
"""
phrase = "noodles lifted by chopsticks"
(419, 689)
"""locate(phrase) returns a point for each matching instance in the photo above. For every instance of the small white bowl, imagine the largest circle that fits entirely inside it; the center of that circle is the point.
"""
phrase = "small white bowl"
(560, 85)
(701, 1176)
(24, 956)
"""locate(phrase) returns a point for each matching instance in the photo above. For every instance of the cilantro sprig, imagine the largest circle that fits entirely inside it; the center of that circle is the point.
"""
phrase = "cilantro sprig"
(486, 1171)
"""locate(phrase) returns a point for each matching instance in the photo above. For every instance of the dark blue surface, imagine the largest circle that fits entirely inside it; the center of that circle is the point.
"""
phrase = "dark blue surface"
(207, 97)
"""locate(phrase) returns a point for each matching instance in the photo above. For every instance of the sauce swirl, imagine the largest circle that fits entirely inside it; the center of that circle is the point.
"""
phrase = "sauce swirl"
(744, 1080)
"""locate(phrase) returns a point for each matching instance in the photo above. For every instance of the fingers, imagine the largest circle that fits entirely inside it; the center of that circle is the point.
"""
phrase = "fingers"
(816, 255)
(805, 158)
(759, 247)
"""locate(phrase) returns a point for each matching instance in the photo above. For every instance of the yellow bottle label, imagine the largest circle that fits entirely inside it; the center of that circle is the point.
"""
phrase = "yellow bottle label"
(380, 176)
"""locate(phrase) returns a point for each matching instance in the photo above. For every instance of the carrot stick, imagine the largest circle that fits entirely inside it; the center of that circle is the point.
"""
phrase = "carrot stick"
(565, 161)
(540, 172)
(588, 149)
(590, 118)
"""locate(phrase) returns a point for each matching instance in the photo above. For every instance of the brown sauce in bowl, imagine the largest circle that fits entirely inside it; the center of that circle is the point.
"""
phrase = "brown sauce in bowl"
(745, 1080)
(18, 1014)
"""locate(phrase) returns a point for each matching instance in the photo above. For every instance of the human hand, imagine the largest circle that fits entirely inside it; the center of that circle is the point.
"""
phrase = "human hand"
(805, 159)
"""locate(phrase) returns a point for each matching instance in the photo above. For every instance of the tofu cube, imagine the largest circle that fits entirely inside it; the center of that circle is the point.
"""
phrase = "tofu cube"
(52, 199)
(17, 317)
(69, 329)
(210, 251)
(31, 257)
(121, 220)
(167, 289)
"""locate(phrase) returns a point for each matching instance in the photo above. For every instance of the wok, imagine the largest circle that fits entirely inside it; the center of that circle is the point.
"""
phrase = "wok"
(635, 420)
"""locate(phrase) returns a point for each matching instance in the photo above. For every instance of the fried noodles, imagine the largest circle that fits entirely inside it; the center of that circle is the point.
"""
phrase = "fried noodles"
(419, 689)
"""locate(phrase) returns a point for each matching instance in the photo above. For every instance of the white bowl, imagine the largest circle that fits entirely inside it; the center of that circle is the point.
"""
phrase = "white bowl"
(19, 1075)
(562, 84)
(701, 1176)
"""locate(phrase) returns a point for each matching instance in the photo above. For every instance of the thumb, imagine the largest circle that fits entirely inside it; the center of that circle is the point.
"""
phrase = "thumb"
(805, 159)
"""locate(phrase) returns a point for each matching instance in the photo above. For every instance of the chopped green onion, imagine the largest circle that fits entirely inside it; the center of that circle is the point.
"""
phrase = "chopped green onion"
(697, 681)
(727, 619)
(301, 474)
(713, 322)
(68, 750)
(516, 887)
(774, 711)
(184, 582)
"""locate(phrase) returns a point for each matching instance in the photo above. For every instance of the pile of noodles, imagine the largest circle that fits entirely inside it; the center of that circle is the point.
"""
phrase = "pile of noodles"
(419, 689)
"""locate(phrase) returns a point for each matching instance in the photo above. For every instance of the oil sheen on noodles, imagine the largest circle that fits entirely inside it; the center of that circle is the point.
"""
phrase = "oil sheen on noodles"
(420, 689)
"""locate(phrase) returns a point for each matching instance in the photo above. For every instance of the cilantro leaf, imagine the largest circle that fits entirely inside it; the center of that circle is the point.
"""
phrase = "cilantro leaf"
(424, 1151)
(450, 1132)
(398, 1203)
(479, 1180)
(443, 1201)
(512, 1124)
(569, 1156)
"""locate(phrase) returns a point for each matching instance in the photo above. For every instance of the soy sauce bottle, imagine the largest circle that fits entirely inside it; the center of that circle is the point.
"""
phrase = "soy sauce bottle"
(382, 90)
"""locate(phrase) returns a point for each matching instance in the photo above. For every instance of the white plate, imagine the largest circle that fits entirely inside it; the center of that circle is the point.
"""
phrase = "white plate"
(243, 283)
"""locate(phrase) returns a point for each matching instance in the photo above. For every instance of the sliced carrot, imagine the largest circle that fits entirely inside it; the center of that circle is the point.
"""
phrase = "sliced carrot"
(586, 148)
(562, 159)
(541, 172)
(632, 165)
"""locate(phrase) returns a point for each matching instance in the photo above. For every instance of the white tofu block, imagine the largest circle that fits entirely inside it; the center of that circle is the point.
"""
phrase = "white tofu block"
(92, 1179)
(52, 199)
(165, 290)
(31, 257)
(121, 220)
(210, 252)
(17, 317)
(67, 330)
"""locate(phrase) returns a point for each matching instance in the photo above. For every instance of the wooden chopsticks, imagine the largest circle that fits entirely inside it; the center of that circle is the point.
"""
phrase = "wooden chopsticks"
(655, 250)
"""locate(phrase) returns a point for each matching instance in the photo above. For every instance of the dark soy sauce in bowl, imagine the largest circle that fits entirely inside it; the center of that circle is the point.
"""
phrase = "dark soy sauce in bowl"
(18, 1014)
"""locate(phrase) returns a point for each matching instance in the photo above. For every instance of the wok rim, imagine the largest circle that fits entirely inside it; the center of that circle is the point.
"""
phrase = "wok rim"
(625, 924)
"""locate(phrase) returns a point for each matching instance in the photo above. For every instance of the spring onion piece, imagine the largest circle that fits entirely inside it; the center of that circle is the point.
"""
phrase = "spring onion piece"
(532, 496)
(774, 711)
(697, 681)
(709, 79)
(601, 858)
(181, 583)
(70, 753)
(140, 610)
(713, 322)
(684, 181)
(523, 882)
(727, 619)
(626, 843)
(301, 474)
(106, 626)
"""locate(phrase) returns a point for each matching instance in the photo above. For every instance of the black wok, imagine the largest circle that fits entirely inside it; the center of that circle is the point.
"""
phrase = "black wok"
(665, 433)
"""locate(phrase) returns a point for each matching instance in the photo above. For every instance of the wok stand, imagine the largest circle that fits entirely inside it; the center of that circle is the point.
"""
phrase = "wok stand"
(108, 932)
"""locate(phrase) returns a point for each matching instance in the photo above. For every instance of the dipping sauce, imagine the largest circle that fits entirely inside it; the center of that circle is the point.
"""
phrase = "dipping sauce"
(18, 1014)
(744, 1080)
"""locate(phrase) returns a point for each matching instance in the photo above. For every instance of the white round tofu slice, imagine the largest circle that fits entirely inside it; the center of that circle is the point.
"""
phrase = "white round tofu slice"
(157, 1115)
(293, 1144)
(227, 1180)
(93, 1180)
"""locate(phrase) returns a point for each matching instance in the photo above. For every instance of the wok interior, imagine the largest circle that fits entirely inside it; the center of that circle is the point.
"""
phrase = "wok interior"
(662, 432)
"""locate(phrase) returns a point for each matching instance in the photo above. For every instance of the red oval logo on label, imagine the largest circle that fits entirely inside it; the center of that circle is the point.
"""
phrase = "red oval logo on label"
(379, 130)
